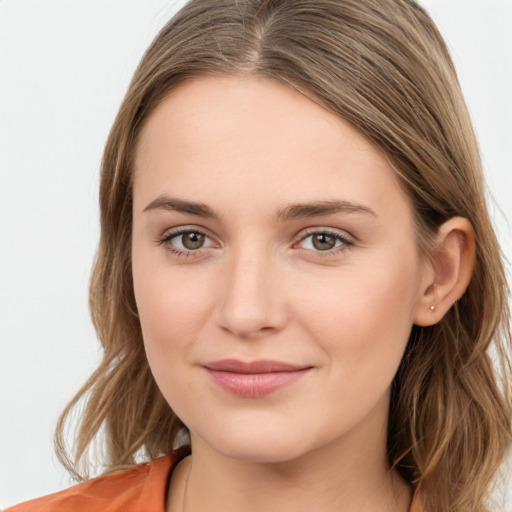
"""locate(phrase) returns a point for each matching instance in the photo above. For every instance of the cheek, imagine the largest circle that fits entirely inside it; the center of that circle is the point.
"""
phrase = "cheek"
(172, 313)
(170, 310)
(362, 317)
(171, 305)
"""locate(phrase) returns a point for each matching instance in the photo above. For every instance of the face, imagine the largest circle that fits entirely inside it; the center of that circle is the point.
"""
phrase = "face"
(275, 268)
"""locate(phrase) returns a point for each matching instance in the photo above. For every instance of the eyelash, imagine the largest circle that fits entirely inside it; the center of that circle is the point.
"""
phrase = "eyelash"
(165, 240)
(346, 242)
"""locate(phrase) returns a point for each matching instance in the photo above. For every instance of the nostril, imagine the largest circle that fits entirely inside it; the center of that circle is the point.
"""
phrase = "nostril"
(245, 332)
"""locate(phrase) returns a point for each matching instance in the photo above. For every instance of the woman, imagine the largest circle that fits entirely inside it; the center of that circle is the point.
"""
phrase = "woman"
(297, 278)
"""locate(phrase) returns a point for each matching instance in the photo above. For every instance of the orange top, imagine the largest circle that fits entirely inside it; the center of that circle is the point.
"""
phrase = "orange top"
(142, 488)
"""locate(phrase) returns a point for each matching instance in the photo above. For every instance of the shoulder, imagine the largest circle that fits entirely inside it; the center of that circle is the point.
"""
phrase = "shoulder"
(139, 489)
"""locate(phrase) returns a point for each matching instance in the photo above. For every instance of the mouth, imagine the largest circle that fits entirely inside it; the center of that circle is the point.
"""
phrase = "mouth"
(256, 378)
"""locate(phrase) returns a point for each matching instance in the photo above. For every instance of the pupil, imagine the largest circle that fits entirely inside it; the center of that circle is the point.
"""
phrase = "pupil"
(323, 242)
(193, 240)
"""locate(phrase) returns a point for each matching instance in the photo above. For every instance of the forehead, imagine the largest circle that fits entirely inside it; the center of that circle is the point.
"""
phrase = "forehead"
(224, 136)
(219, 111)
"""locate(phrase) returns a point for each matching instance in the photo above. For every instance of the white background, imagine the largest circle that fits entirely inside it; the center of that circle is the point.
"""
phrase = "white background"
(64, 67)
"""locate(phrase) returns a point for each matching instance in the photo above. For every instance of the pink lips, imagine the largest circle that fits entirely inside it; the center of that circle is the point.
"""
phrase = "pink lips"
(254, 379)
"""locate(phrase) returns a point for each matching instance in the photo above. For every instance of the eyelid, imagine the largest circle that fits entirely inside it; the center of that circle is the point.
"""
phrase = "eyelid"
(346, 239)
(169, 234)
(172, 232)
(328, 231)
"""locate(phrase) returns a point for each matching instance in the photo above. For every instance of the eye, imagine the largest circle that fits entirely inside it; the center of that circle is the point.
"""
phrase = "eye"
(190, 240)
(324, 241)
(186, 241)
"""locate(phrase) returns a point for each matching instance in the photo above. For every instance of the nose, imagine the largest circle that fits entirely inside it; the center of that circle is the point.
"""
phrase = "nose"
(253, 301)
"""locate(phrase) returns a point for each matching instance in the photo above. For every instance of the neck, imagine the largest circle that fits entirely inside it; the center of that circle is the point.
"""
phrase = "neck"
(350, 474)
(304, 487)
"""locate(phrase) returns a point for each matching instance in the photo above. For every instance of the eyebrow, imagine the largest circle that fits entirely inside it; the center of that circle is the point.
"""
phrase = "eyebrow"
(180, 205)
(319, 208)
(291, 211)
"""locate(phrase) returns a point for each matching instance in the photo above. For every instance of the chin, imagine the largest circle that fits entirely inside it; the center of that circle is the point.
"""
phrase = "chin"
(262, 452)
(268, 444)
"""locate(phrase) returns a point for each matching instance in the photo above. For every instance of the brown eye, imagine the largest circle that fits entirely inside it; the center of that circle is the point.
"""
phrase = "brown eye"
(192, 240)
(328, 242)
(323, 241)
(188, 242)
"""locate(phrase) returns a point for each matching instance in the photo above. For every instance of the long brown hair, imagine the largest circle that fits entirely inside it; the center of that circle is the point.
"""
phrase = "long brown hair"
(382, 66)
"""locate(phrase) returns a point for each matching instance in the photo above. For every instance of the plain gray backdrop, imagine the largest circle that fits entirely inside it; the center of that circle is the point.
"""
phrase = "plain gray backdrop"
(64, 67)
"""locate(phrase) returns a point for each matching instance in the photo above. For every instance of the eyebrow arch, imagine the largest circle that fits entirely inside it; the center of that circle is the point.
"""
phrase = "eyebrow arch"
(292, 211)
(180, 205)
(316, 209)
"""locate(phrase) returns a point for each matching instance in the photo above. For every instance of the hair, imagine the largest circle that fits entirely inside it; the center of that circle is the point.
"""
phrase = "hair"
(382, 66)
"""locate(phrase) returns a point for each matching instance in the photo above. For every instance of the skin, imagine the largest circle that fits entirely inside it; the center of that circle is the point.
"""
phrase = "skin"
(262, 287)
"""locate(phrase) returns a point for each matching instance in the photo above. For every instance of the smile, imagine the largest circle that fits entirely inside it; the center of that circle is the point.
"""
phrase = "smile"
(255, 379)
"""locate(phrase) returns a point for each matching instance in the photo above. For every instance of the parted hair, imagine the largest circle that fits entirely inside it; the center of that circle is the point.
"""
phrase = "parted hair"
(382, 66)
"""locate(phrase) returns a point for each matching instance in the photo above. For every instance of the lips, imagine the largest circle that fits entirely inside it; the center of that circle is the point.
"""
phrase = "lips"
(256, 378)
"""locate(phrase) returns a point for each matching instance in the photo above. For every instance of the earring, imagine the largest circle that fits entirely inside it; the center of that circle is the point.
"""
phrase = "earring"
(432, 307)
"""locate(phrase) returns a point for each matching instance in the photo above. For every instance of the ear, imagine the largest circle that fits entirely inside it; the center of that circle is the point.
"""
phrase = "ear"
(448, 274)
